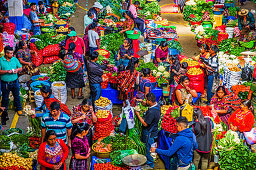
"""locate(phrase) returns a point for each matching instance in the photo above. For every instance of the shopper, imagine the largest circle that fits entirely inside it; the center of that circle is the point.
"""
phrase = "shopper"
(138, 21)
(74, 64)
(224, 104)
(94, 39)
(162, 52)
(182, 71)
(129, 23)
(41, 8)
(150, 125)
(95, 72)
(88, 19)
(83, 113)
(183, 92)
(95, 9)
(58, 121)
(181, 4)
(127, 80)
(80, 147)
(80, 47)
(204, 53)
(9, 69)
(46, 92)
(125, 53)
(184, 145)
(144, 87)
(212, 70)
(52, 152)
(34, 19)
(202, 129)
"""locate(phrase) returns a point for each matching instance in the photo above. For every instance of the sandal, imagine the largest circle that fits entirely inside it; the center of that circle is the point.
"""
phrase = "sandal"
(80, 97)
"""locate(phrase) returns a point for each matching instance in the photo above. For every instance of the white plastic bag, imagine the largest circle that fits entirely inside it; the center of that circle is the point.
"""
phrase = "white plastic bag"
(38, 98)
(129, 114)
(59, 91)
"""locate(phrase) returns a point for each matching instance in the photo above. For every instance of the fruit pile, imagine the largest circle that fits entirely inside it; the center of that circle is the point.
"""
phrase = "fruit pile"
(195, 71)
(102, 113)
(102, 102)
(8, 160)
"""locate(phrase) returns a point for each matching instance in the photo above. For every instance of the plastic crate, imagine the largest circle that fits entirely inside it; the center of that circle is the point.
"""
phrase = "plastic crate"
(158, 93)
(111, 94)
(218, 20)
(130, 34)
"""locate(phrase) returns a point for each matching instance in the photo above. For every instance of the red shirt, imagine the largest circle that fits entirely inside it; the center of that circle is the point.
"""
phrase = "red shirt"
(41, 155)
(79, 45)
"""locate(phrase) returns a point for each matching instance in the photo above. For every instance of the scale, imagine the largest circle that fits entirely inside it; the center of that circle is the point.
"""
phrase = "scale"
(134, 161)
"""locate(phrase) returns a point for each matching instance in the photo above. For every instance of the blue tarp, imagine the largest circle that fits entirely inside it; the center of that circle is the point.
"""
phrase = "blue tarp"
(18, 21)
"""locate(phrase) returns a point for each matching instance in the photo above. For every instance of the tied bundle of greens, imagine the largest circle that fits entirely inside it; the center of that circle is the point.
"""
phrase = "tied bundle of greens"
(175, 45)
(112, 42)
(35, 125)
(149, 9)
(5, 142)
(149, 65)
(48, 39)
(57, 72)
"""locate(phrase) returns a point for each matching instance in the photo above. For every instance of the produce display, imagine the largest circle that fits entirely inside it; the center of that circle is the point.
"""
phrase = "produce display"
(102, 102)
(107, 166)
(169, 123)
(102, 147)
(195, 71)
(11, 161)
(57, 72)
(102, 113)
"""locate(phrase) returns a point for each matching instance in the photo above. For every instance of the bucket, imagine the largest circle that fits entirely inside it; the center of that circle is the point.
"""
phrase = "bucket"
(230, 32)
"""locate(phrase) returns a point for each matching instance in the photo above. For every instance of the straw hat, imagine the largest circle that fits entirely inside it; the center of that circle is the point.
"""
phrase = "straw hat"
(243, 12)
(97, 5)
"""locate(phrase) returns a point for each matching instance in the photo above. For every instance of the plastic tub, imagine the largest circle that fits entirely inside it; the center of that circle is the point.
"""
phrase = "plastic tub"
(34, 85)
(36, 77)
(173, 51)
(159, 40)
(130, 34)
(112, 95)
(227, 5)
(218, 12)
(59, 25)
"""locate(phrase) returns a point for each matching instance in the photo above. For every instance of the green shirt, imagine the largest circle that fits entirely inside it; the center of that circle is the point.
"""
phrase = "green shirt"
(9, 65)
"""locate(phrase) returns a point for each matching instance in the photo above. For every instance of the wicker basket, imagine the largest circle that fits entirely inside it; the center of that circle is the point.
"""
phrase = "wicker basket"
(100, 154)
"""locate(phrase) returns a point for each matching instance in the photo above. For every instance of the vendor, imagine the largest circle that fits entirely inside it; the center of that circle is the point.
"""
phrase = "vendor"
(183, 92)
(125, 53)
(34, 19)
(95, 10)
(150, 125)
(41, 8)
(242, 120)
(162, 52)
(46, 92)
(84, 113)
(224, 104)
(24, 56)
(204, 52)
(138, 21)
(144, 87)
(129, 23)
(246, 19)
(80, 47)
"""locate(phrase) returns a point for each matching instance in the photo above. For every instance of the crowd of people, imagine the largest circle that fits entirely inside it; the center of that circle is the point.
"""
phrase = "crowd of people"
(63, 128)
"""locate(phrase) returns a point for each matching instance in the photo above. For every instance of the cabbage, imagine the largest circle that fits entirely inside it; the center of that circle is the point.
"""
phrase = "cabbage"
(158, 74)
(166, 74)
(161, 68)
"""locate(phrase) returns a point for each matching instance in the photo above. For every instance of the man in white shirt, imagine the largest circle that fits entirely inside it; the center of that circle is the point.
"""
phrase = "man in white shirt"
(88, 19)
(138, 21)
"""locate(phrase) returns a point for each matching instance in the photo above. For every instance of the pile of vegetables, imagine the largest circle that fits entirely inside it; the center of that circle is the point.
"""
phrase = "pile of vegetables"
(102, 102)
(150, 9)
(175, 45)
(112, 42)
(169, 122)
(117, 156)
(231, 46)
(107, 166)
(13, 161)
(102, 147)
(142, 109)
(233, 154)
(57, 72)
(149, 65)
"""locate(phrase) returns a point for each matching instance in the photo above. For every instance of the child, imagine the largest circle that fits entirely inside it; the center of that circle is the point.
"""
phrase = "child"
(182, 71)
(94, 39)
(41, 8)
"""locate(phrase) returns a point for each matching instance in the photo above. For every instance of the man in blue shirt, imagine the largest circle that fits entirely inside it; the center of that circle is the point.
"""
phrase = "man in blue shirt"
(183, 145)
(57, 121)
(9, 67)
(34, 19)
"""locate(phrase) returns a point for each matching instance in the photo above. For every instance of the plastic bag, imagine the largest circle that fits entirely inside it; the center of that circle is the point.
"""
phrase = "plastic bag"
(250, 136)
(108, 107)
(59, 91)
(38, 98)
(9, 27)
(50, 60)
(51, 50)
(119, 155)
(129, 114)
(246, 74)
(38, 58)
(103, 129)
(33, 47)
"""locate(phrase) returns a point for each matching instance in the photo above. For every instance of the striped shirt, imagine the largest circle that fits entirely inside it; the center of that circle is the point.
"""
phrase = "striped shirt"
(59, 126)
(213, 63)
